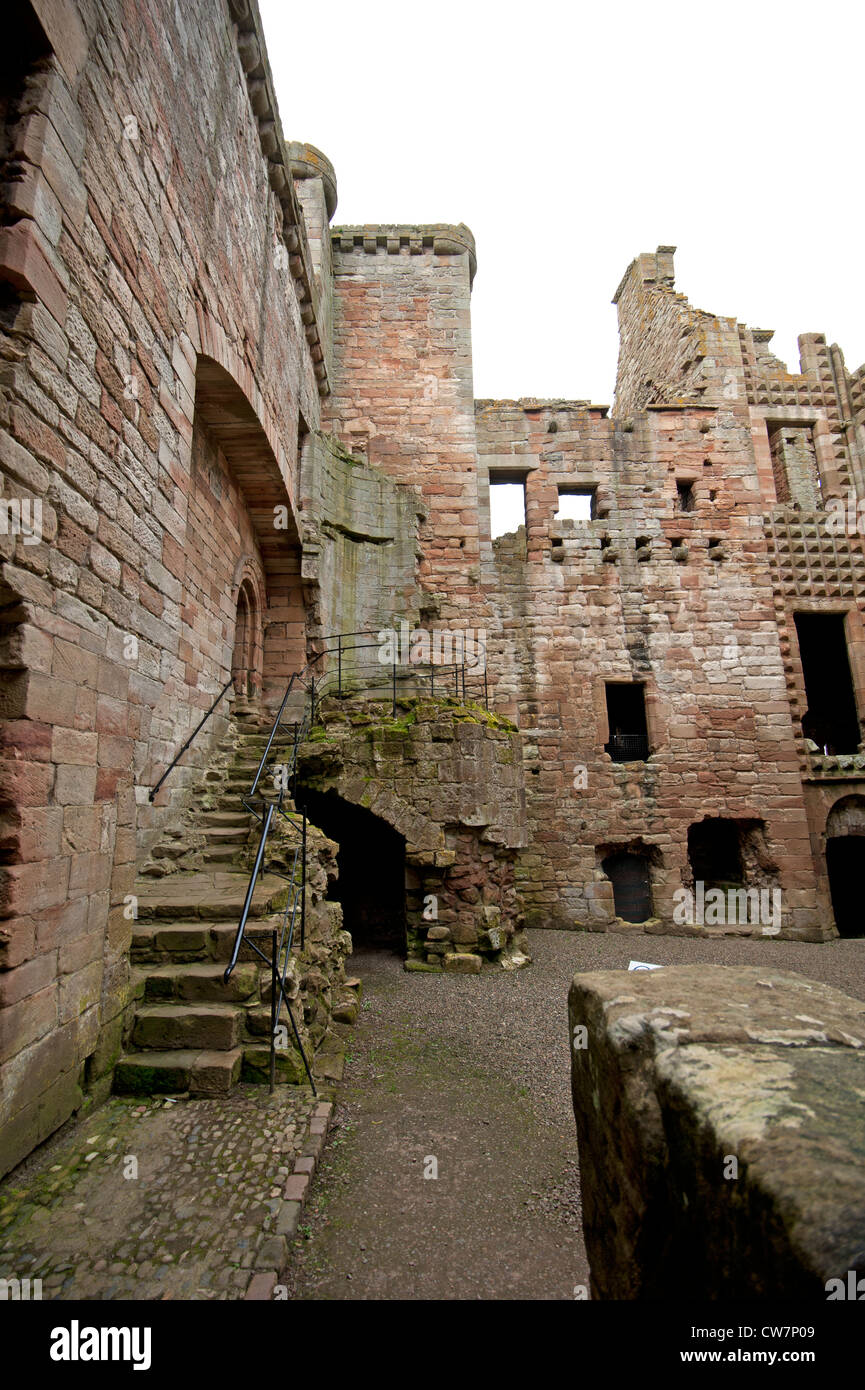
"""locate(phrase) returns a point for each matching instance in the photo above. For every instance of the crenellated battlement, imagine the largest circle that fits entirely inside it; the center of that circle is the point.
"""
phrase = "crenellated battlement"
(439, 238)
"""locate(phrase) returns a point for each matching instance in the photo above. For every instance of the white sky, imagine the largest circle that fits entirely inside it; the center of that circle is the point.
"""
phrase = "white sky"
(572, 137)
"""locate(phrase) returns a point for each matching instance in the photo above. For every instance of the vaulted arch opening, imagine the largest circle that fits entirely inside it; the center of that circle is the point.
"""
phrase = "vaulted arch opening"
(244, 485)
(371, 861)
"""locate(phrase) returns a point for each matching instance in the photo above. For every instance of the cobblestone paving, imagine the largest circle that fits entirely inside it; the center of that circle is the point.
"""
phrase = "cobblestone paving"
(193, 1223)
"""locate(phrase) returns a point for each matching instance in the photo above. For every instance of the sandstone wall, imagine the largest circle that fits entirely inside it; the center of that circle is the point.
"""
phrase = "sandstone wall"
(155, 265)
(720, 1134)
(448, 779)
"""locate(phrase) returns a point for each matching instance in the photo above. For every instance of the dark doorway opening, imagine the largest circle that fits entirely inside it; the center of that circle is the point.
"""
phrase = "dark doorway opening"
(632, 892)
(844, 865)
(371, 863)
(626, 716)
(830, 720)
(715, 852)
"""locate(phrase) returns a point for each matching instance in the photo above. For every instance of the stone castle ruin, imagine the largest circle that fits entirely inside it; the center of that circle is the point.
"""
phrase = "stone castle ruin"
(241, 443)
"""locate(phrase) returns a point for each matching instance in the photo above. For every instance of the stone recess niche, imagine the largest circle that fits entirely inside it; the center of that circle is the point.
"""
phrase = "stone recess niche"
(448, 778)
(720, 1153)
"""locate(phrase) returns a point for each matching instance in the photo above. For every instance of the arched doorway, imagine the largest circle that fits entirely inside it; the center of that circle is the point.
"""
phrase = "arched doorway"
(845, 847)
(246, 656)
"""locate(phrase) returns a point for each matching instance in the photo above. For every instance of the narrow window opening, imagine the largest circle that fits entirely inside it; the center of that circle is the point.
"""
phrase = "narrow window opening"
(626, 715)
(794, 464)
(684, 495)
(830, 720)
(507, 505)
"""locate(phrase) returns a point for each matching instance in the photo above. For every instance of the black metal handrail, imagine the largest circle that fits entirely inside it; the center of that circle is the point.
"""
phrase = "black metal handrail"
(193, 735)
(266, 809)
(453, 676)
(282, 939)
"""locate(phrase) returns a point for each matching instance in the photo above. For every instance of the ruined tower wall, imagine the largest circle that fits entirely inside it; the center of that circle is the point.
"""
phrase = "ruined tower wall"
(402, 391)
(140, 242)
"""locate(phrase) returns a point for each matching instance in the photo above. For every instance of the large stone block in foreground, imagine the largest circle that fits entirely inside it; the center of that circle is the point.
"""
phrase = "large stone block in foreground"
(721, 1122)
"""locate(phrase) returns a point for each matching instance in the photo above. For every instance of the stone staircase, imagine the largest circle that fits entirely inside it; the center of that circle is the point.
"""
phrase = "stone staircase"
(192, 1031)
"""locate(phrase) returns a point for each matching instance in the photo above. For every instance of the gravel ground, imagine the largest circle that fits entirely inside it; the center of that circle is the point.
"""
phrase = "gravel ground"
(474, 1071)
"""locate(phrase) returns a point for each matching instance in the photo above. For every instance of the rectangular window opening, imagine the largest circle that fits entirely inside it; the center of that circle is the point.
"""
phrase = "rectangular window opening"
(576, 504)
(626, 715)
(795, 468)
(507, 505)
(831, 719)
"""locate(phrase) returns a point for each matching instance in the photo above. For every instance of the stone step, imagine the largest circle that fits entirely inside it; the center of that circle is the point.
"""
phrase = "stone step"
(207, 940)
(289, 1066)
(228, 834)
(198, 981)
(201, 1073)
(215, 893)
(160, 1027)
(222, 854)
(226, 819)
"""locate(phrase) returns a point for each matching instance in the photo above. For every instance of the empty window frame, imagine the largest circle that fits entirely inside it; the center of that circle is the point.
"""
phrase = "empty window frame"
(626, 716)
(794, 464)
(714, 852)
(576, 504)
(507, 504)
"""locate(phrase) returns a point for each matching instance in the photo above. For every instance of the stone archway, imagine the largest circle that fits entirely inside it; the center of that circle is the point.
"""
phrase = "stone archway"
(845, 846)
(373, 903)
(271, 557)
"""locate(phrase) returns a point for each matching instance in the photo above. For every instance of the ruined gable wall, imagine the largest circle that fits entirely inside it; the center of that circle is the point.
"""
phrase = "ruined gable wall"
(668, 350)
(156, 204)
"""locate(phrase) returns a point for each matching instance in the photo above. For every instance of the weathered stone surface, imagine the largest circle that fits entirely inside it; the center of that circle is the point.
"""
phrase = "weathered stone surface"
(462, 963)
(450, 863)
(720, 1146)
